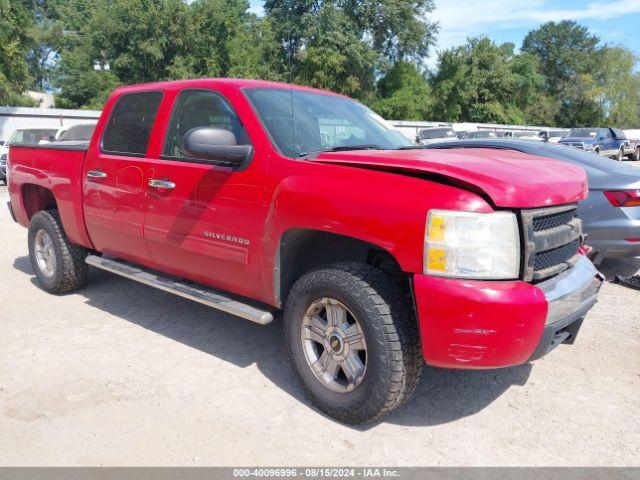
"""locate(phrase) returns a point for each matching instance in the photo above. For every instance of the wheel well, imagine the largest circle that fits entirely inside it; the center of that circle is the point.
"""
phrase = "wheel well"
(302, 250)
(36, 198)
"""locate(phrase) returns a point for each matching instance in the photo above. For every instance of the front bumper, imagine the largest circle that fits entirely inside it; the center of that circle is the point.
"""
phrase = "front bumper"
(492, 324)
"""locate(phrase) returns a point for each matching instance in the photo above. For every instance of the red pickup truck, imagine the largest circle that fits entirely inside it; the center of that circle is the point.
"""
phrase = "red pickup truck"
(255, 197)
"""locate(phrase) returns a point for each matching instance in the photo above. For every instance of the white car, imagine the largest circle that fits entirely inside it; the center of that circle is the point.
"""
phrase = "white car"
(30, 136)
(4, 153)
(634, 139)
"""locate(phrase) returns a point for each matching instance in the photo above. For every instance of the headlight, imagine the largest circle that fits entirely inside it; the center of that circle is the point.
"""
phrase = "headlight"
(472, 245)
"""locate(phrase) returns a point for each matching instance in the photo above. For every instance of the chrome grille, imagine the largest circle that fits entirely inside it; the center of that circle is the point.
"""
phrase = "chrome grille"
(552, 238)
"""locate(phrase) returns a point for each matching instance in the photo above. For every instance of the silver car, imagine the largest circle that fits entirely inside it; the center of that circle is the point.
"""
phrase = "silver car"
(432, 135)
(611, 213)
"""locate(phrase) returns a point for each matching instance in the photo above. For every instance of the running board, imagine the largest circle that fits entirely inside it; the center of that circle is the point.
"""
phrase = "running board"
(181, 289)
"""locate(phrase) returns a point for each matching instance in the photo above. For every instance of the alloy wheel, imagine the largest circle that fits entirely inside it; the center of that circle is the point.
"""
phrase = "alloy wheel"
(334, 345)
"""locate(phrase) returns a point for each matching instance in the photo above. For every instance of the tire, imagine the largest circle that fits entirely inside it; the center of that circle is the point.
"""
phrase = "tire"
(635, 156)
(619, 155)
(393, 356)
(68, 269)
(596, 151)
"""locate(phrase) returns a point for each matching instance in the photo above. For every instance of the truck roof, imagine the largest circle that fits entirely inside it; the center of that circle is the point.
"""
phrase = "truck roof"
(233, 82)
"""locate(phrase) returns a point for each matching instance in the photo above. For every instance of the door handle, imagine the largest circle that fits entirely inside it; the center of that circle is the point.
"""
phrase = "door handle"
(163, 184)
(96, 174)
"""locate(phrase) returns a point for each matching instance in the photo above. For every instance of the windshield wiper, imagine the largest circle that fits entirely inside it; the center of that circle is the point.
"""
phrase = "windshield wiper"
(345, 148)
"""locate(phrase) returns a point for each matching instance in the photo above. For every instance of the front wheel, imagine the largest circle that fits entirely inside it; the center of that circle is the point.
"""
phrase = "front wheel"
(353, 341)
(58, 264)
(636, 155)
(620, 155)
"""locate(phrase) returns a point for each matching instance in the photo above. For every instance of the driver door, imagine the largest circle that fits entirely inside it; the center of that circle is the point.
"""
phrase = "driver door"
(206, 223)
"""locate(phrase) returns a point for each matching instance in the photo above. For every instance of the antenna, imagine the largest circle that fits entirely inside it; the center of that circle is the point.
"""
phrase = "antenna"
(290, 77)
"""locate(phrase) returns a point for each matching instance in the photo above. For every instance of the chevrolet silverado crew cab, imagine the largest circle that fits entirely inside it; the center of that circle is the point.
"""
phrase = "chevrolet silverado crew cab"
(257, 198)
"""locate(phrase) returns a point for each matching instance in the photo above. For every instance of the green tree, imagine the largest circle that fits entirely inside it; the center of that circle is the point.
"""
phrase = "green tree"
(46, 41)
(619, 90)
(334, 58)
(141, 40)
(15, 20)
(399, 29)
(488, 83)
(82, 86)
(565, 50)
(230, 41)
(403, 93)
(156, 40)
(569, 60)
(325, 43)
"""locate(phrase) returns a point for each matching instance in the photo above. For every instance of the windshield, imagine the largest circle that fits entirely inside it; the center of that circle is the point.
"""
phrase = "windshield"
(431, 133)
(77, 132)
(482, 134)
(582, 132)
(322, 122)
(32, 136)
(524, 134)
(557, 133)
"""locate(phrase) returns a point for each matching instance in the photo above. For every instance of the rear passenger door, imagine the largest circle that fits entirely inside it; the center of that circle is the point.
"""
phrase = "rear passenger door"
(205, 221)
(114, 177)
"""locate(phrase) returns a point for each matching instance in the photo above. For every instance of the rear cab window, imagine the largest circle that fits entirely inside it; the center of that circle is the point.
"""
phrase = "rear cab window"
(130, 123)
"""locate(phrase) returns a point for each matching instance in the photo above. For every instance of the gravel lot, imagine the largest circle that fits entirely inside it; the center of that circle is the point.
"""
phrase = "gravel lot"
(122, 374)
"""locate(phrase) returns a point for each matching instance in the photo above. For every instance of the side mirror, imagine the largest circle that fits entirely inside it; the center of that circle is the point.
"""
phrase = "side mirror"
(215, 145)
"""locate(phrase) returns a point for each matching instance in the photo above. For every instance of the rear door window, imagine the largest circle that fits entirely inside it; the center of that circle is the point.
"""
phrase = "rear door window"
(130, 123)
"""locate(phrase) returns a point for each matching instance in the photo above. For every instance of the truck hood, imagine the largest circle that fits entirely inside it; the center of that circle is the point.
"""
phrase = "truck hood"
(508, 178)
(578, 140)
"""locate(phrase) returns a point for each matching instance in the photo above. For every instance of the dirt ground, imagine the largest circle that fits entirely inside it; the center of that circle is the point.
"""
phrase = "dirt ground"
(122, 374)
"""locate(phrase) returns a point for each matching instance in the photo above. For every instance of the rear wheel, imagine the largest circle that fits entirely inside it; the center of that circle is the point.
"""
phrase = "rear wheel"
(58, 264)
(353, 341)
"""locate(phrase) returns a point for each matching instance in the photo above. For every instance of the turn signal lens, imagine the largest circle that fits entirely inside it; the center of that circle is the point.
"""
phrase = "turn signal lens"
(437, 260)
(623, 198)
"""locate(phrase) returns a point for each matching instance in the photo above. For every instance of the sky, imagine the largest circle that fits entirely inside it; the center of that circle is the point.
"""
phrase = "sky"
(614, 21)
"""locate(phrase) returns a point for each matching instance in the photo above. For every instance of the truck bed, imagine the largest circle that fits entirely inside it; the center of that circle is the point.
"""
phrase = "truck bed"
(58, 168)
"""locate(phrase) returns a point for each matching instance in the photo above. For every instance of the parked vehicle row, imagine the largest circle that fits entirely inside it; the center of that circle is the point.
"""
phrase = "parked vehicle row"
(256, 197)
(40, 136)
(608, 142)
(611, 212)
